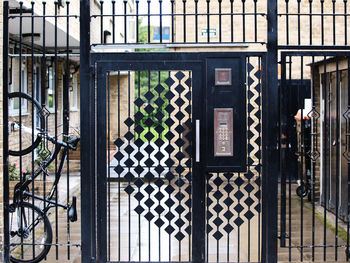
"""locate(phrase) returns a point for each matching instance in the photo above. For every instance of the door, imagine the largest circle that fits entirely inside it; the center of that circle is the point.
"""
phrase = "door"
(178, 157)
(145, 134)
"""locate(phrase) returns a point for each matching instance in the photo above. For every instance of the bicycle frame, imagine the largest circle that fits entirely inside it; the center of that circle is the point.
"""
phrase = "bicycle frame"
(20, 191)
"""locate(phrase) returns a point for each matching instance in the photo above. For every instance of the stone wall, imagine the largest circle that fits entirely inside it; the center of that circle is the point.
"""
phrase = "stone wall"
(261, 28)
(50, 113)
(119, 104)
(261, 22)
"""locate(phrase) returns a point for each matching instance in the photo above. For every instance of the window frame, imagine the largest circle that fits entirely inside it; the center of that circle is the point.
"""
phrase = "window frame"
(22, 87)
(50, 80)
(73, 94)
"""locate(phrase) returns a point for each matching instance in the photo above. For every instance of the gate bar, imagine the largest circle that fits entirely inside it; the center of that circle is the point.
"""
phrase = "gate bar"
(283, 165)
(270, 140)
(87, 181)
(5, 134)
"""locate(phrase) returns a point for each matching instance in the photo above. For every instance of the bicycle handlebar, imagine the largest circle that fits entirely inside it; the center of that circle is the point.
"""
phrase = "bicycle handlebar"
(71, 143)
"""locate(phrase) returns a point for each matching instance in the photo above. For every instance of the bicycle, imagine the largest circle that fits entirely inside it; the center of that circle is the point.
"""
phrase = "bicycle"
(305, 187)
(30, 227)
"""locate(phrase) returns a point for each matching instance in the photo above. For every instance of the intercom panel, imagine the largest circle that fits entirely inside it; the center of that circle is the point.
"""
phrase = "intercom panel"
(226, 118)
(223, 132)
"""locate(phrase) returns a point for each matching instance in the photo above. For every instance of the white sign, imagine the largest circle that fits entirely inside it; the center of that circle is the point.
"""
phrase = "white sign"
(212, 32)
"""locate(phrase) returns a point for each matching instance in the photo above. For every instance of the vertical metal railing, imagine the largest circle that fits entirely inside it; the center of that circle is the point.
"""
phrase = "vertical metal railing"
(307, 24)
(313, 215)
(87, 115)
(5, 82)
(182, 21)
(32, 103)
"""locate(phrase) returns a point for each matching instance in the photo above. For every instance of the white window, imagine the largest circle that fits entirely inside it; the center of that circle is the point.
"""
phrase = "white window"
(132, 30)
(73, 94)
(50, 95)
(18, 83)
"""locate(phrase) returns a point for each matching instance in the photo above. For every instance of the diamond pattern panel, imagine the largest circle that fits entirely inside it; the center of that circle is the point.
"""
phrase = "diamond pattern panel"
(152, 157)
(233, 199)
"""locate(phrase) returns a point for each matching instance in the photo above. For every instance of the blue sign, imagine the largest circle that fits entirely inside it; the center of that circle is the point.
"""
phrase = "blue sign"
(165, 33)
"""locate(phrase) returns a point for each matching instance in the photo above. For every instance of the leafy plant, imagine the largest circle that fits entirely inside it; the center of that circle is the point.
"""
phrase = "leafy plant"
(153, 109)
(13, 172)
(146, 81)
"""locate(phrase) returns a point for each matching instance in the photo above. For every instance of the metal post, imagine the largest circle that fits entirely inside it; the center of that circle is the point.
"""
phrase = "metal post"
(198, 177)
(5, 134)
(283, 150)
(270, 142)
(88, 238)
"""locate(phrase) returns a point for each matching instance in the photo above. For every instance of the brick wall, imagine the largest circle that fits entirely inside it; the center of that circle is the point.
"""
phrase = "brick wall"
(26, 118)
(261, 21)
(122, 112)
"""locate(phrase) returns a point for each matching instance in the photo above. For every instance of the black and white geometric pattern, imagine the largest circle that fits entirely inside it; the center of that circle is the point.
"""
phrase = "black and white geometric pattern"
(233, 199)
(154, 156)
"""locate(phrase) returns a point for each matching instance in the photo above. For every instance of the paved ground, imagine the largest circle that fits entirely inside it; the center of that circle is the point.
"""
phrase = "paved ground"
(61, 228)
(152, 237)
(302, 235)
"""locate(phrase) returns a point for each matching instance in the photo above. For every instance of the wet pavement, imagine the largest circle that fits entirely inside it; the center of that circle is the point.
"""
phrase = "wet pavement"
(135, 238)
(300, 227)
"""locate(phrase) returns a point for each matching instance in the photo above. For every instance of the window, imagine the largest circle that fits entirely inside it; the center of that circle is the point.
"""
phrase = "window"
(132, 30)
(51, 89)
(17, 84)
(73, 94)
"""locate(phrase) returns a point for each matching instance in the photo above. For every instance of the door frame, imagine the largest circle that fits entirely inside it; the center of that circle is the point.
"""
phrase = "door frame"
(198, 208)
(196, 62)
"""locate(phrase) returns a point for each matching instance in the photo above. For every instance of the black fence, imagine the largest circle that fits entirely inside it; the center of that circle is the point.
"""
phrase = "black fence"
(150, 176)
(314, 223)
(301, 24)
(41, 133)
(182, 22)
(49, 97)
(313, 24)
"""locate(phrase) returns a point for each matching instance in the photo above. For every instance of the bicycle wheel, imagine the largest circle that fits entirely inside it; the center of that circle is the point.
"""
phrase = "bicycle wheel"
(30, 234)
(302, 190)
(21, 138)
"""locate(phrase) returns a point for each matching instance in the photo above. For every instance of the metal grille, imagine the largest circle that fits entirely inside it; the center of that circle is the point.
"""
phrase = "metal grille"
(234, 199)
(314, 208)
(301, 23)
(311, 24)
(173, 23)
(149, 178)
(41, 133)
(137, 155)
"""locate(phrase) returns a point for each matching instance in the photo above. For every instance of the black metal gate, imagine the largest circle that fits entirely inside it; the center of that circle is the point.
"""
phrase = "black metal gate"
(148, 123)
(181, 150)
(314, 207)
(158, 198)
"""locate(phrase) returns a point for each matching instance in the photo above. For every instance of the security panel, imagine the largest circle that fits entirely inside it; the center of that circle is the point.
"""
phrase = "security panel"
(226, 119)
(223, 76)
(223, 126)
